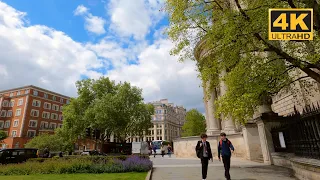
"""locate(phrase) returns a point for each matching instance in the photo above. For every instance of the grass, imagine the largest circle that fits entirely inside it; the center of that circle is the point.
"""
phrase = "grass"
(111, 176)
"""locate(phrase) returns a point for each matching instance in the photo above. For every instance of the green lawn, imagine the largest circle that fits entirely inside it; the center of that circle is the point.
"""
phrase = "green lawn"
(112, 176)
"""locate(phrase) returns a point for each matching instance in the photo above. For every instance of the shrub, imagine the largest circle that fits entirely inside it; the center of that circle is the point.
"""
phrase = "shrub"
(81, 164)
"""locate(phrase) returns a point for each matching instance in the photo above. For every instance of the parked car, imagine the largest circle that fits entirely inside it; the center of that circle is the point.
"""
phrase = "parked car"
(93, 153)
(17, 155)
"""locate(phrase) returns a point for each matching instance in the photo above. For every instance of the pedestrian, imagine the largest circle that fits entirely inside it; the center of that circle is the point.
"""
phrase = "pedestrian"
(169, 150)
(225, 148)
(204, 152)
(154, 150)
(46, 152)
(61, 154)
(163, 150)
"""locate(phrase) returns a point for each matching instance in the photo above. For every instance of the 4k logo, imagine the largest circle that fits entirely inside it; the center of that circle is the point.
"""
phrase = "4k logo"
(290, 24)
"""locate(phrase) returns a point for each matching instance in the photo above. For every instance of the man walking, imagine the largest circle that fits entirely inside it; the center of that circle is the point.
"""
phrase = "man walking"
(224, 150)
(203, 151)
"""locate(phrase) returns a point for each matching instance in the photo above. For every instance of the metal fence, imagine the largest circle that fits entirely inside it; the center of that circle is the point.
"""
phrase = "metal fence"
(299, 133)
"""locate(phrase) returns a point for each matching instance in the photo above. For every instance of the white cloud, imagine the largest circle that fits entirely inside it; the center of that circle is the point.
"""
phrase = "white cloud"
(40, 55)
(81, 10)
(133, 19)
(162, 76)
(44, 57)
(93, 24)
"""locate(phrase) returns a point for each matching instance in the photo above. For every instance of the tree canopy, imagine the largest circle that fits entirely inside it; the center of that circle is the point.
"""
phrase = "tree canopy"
(108, 107)
(53, 142)
(234, 34)
(195, 124)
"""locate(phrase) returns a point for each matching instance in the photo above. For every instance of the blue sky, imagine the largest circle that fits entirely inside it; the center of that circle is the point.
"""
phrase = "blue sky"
(54, 43)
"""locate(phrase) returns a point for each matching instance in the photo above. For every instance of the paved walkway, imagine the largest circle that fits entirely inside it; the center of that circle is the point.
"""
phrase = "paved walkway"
(190, 169)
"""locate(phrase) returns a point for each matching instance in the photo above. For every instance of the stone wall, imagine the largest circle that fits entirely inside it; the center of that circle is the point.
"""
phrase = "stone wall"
(185, 147)
(304, 169)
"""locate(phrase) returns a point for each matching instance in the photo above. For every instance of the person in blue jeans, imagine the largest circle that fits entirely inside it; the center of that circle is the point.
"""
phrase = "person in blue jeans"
(225, 149)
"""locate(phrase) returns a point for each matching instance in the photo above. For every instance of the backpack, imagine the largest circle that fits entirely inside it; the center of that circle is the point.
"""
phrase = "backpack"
(220, 143)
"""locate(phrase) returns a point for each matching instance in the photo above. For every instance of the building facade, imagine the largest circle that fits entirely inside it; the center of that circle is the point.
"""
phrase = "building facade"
(167, 121)
(28, 111)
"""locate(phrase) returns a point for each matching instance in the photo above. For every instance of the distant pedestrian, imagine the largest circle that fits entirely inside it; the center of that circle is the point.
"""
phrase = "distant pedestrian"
(225, 148)
(154, 147)
(204, 152)
(163, 150)
(169, 150)
(61, 154)
(46, 152)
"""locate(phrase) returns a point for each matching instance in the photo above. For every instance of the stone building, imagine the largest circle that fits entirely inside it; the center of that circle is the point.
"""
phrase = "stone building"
(255, 140)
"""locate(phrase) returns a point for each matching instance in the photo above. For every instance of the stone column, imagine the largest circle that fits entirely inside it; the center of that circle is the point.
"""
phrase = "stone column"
(266, 142)
(162, 131)
(205, 102)
(212, 127)
(155, 131)
(229, 126)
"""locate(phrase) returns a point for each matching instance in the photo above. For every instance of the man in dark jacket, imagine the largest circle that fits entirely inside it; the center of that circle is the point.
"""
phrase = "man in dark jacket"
(204, 152)
(224, 150)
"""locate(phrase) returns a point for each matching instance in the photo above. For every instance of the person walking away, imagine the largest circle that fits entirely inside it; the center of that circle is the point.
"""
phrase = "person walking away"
(46, 152)
(169, 150)
(204, 153)
(154, 150)
(162, 150)
(224, 150)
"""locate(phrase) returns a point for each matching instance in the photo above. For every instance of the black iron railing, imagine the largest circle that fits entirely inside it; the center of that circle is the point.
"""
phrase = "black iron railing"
(301, 133)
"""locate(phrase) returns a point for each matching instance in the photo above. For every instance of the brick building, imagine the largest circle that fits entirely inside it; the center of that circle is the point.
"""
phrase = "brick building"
(29, 111)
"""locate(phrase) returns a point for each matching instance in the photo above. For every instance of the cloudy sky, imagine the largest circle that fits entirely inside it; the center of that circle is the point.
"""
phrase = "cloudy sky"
(54, 43)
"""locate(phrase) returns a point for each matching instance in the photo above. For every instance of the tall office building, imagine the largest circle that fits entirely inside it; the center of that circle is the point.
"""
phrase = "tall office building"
(29, 111)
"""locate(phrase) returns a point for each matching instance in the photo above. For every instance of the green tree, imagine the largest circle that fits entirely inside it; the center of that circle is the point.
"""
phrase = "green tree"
(108, 107)
(195, 124)
(237, 39)
(3, 135)
(53, 142)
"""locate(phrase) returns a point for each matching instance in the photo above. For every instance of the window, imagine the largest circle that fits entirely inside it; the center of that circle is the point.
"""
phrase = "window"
(53, 125)
(11, 94)
(18, 93)
(45, 95)
(11, 103)
(31, 134)
(5, 103)
(54, 98)
(9, 113)
(61, 108)
(3, 113)
(47, 105)
(14, 134)
(16, 123)
(18, 112)
(26, 91)
(36, 103)
(60, 117)
(54, 116)
(20, 102)
(33, 123)
(55, 107)
(35, 93)
(1, 124)
(7, 124)
(34, 113)
(61, 100)
(46, 115)
(44, 125)
(68, 101)
(60, 125)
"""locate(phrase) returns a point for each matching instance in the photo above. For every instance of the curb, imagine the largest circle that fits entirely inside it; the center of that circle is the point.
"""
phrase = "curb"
(149, 175)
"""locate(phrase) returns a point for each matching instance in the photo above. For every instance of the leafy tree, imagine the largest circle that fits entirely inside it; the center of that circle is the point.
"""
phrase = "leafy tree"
(3, 135)
(108, 107)
(236, 36)
(53, 142)
(195, 123)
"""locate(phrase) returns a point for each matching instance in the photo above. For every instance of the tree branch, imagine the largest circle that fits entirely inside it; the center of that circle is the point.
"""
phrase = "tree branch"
(303, 77)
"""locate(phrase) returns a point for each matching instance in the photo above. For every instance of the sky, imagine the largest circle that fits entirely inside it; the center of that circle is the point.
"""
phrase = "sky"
(54, 43)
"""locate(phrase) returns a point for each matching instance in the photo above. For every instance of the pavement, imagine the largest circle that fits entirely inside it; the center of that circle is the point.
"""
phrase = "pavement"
(190, 169)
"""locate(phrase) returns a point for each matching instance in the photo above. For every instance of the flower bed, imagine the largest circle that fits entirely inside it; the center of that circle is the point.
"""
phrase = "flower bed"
(78, 165)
